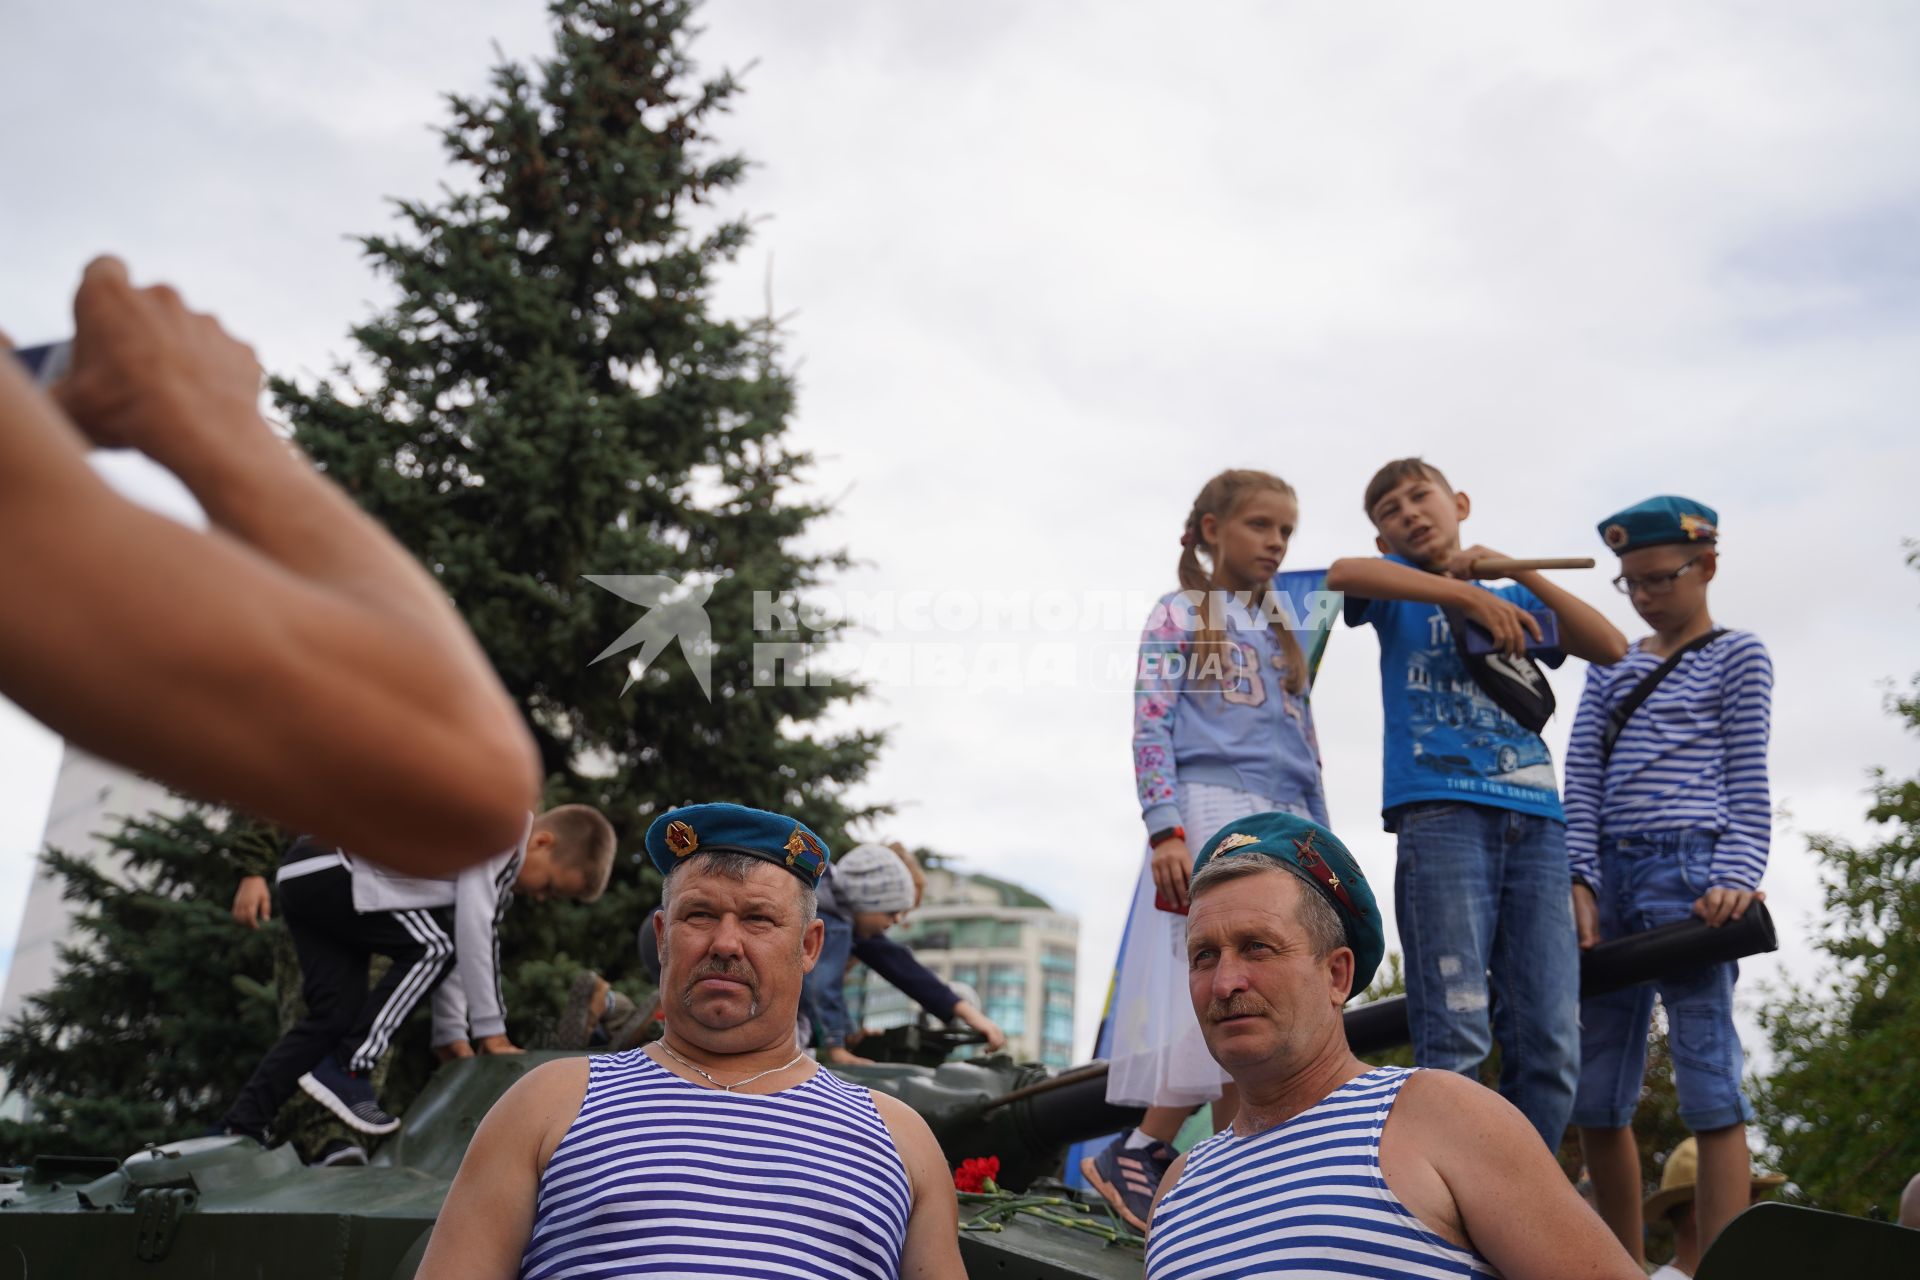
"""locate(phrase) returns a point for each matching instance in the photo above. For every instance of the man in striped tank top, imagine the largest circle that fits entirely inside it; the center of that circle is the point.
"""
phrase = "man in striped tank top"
(1330, 1168)
(720, 1149)
(1668, 816)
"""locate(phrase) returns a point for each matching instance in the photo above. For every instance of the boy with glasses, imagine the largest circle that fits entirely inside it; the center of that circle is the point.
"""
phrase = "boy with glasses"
(1668, 815)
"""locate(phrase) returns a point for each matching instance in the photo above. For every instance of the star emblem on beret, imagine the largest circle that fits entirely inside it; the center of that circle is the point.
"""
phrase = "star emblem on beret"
(681, 839)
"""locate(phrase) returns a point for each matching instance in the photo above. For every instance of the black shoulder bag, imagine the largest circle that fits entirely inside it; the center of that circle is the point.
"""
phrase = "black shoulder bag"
(1517, 685)
(1618, 717)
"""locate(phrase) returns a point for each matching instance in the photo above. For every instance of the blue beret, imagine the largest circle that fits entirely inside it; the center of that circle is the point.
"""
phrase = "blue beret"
(734, 828)
(1659, 521)
(1316, 855)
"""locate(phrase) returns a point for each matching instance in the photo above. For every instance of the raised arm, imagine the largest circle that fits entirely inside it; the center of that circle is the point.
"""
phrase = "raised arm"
(483, 1227)
(291, 660)
(1367, 578)
(932, 1250)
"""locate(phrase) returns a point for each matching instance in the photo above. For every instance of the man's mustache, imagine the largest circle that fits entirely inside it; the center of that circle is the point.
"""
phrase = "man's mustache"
(732, 970)
(1237, 1006)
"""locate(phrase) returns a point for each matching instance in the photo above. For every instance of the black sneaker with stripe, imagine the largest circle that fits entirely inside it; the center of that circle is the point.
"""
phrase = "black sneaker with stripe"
(348, 1096)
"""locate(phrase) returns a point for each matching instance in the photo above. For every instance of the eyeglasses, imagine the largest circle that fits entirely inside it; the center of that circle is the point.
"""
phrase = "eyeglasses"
(1654, 584)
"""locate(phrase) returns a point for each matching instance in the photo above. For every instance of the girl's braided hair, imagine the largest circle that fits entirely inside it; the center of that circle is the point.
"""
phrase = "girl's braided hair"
(1221, 497)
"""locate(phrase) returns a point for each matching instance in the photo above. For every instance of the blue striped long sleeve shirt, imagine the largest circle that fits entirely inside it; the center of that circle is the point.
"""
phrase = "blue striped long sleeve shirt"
(1694, 756)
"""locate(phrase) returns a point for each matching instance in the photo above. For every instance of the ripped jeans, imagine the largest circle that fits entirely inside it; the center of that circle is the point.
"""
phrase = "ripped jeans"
(1483, 897)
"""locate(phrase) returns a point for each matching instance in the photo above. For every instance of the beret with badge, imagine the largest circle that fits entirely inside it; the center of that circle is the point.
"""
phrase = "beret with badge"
(1658, 522)
(678, 834)
(1316, 856)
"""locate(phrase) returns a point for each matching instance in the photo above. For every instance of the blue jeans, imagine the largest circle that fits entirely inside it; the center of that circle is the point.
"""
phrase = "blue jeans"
(823, 993)
(1649, 880)
(1486, 921)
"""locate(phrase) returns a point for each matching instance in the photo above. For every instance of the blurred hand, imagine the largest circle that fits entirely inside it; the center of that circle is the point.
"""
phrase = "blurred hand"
(1509, 624)
(996, 1038)
(840, 1056)
(253, 902)
(1586, 917)
(1172, 868)
(1460, 563)
(1717, 906)
(496, 1044)
(148, 374)
(457, 1049)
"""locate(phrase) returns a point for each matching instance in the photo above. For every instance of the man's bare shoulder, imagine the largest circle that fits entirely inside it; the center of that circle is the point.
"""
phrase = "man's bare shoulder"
(1444, 1103)
(542, 1105)
(902, 1121)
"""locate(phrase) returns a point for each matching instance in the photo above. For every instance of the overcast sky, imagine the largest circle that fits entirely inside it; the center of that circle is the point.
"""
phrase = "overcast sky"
(1052, 265)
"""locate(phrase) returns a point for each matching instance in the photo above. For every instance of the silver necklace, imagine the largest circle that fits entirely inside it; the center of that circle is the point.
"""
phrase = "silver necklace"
(727, 1088)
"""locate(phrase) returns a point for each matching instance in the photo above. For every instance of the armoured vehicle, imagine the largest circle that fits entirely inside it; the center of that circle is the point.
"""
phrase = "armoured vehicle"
(225, 1208)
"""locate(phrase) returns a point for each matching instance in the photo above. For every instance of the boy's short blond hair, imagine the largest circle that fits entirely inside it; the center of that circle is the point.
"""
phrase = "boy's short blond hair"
(583, 840)
(1397, 473)
(913, 870)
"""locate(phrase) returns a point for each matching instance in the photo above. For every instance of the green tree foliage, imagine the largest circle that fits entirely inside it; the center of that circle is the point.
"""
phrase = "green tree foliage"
(161, 1009)
(1840, 1104)
(548, 396)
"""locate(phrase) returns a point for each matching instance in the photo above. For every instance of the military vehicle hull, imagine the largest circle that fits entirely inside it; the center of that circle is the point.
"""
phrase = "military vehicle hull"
(226, 1209)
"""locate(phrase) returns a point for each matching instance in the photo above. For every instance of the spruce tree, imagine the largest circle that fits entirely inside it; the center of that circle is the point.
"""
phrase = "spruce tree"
(163, 1003)
(548, 397)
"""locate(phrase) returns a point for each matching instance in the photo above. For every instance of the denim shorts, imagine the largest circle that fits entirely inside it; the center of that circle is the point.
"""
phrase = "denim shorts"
(1650, 879)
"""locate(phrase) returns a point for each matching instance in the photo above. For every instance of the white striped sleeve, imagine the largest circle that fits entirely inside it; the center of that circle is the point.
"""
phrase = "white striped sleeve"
(1740, 854)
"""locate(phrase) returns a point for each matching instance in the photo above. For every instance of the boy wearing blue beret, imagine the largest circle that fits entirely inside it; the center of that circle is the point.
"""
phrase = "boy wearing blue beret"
(1668, 816)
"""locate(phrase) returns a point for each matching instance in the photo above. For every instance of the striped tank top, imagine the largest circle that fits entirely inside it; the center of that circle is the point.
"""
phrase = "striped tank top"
(1305, 1198)
(659, 1177)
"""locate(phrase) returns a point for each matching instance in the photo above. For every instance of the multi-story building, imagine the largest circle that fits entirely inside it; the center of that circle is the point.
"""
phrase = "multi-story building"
(1011, 948)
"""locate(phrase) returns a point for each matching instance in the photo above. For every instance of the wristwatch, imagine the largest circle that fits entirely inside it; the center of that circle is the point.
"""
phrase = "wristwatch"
(1165, 834)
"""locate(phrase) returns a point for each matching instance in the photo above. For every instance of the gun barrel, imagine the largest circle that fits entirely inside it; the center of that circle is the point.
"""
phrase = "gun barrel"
(1640, 957)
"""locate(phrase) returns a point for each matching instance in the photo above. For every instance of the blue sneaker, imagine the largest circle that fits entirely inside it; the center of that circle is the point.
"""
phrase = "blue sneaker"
(348, 1096)
(1129, 1177)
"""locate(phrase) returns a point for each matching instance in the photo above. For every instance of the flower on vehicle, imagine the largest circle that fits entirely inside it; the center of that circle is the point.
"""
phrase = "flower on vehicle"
(977, 1174)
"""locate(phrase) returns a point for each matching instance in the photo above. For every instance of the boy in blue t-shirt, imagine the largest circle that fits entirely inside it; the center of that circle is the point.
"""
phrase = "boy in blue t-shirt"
(1482, 889)
(1668, 817)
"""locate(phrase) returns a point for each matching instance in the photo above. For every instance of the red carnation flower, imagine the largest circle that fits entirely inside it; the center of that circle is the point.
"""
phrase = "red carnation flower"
(977, 1174)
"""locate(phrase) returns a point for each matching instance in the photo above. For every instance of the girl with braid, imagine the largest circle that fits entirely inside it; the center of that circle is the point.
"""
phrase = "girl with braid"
(1221, 730)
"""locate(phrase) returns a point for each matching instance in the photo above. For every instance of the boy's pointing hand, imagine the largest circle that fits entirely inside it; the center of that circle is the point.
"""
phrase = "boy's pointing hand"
(1507, 623)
